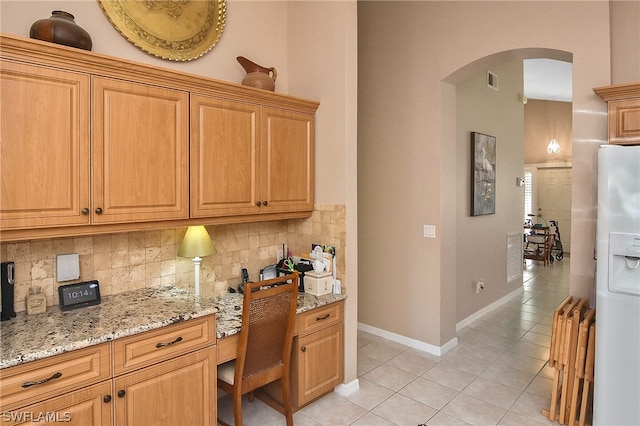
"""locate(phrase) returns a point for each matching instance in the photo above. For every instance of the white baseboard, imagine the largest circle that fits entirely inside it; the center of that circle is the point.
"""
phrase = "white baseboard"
(407, 341)
(482, 312)
(346, 389)
(432, 349)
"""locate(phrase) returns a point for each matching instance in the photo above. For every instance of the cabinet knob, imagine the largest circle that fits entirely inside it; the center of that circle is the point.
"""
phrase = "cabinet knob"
(258, 204)
(121, 393)
(85, 211)
(303, 349)
(265, 203)
(107, 398)
(99, 210)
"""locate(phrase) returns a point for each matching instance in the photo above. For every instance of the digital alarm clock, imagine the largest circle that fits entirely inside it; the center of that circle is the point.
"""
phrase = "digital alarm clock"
(78, 295)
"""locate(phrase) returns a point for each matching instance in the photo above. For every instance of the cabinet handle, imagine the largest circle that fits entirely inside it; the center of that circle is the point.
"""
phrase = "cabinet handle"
(121, 393)
(39, 382)
(107, 398)
(85, 211)
(303, 349)
(323, 318)
(98, 210)
(258, 204)
(162, 345)
(265, 203)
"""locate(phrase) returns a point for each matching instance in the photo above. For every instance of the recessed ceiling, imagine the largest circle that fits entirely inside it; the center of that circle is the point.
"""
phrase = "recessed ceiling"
(548, 79)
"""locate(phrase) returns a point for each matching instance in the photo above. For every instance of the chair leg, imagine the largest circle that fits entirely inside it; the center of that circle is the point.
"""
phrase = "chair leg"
(286, 399)
(237, 407)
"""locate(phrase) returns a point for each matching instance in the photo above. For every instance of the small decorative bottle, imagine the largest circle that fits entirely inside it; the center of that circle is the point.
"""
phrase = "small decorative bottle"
(36, 302)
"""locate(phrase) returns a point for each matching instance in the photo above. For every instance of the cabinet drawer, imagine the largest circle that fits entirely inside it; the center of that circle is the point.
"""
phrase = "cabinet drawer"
(144, 349)
(34, 381)
(320, 318)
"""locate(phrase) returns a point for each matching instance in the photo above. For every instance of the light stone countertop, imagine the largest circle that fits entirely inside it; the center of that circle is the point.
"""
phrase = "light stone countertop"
(28, 338)
(229, 318)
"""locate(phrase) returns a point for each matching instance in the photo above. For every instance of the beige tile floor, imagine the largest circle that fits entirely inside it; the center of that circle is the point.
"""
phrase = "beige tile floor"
(496, 375)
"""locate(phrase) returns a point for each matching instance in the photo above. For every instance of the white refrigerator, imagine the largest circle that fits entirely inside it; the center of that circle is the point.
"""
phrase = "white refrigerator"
(617, 360)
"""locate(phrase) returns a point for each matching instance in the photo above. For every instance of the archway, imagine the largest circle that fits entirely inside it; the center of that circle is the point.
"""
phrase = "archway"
(481, 245)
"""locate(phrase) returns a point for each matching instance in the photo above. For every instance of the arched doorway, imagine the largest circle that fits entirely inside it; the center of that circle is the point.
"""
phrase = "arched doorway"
(482, 243)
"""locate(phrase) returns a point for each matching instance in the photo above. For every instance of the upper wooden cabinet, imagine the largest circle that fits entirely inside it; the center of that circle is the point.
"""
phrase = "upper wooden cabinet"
(139, 166)
(224, 157)
(248, 159)
(94, 144)
(286, 160)
(44, 146)
(623, 102)
(140, 152)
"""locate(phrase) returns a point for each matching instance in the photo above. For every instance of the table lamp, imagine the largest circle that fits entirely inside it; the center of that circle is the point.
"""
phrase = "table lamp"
(196, 244)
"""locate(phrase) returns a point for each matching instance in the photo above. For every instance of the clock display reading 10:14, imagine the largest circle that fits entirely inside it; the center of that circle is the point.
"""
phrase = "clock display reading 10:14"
(72, 296)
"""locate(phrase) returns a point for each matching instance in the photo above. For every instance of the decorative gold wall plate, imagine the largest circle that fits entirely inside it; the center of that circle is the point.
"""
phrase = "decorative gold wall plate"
(178, 30)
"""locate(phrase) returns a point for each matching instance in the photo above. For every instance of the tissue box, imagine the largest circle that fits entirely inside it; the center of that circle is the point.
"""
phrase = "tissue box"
(318, 284)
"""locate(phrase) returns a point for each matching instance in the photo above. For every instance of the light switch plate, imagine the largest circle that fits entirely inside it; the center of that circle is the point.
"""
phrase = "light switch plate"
(429, 231)
(68, 267)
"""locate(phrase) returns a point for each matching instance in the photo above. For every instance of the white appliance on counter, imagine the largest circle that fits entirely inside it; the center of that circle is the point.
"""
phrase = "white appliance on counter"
(617, 360)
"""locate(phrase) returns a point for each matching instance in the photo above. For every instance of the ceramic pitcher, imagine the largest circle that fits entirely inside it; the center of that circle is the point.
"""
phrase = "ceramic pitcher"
(257, 75)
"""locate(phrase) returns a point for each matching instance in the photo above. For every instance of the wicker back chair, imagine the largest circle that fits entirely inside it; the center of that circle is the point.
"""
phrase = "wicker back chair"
(264, 347)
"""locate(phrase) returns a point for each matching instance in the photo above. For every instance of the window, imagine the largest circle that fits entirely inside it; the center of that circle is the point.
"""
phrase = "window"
(528, 196)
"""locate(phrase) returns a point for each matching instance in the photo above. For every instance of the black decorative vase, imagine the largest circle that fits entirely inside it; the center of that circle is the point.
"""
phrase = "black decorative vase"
(61, 28)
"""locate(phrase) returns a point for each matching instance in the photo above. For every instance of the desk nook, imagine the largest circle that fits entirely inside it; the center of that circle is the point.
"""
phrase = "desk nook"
(150, 356)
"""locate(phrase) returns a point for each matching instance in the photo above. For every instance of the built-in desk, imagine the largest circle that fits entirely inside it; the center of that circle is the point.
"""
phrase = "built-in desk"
(317, 361)
(151, 342)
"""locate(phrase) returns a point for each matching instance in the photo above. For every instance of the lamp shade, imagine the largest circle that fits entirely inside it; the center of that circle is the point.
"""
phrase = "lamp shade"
(196, 243)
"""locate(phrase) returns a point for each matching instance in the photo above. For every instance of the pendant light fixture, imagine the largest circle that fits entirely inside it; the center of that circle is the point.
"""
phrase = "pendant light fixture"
(553, 147)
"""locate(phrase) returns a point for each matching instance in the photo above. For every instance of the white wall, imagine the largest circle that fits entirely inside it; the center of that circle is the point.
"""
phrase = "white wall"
(410, 55)
(481, 240)
(254, 29)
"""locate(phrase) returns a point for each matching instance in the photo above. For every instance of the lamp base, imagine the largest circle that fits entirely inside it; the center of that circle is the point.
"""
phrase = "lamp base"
(196, 275)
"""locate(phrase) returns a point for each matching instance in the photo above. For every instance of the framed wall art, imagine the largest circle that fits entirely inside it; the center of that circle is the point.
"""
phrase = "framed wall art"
(483, 174)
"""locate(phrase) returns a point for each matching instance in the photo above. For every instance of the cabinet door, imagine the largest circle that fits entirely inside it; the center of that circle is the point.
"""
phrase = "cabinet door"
(86, 407)
(44, 146)
(319, 358)
(223, 157)
(181, 391)
(140, 152)
(624, 122)
(287, 161)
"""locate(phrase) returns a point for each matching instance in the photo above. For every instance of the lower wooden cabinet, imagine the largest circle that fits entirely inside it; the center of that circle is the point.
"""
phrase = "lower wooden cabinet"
(319, 359)
(181, 391)
(85, 407)
(38, 381)
(318, 353)
(317, 356)
(165, 376)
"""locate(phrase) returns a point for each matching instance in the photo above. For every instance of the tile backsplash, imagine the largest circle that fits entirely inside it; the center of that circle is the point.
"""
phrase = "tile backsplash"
(132, 260)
